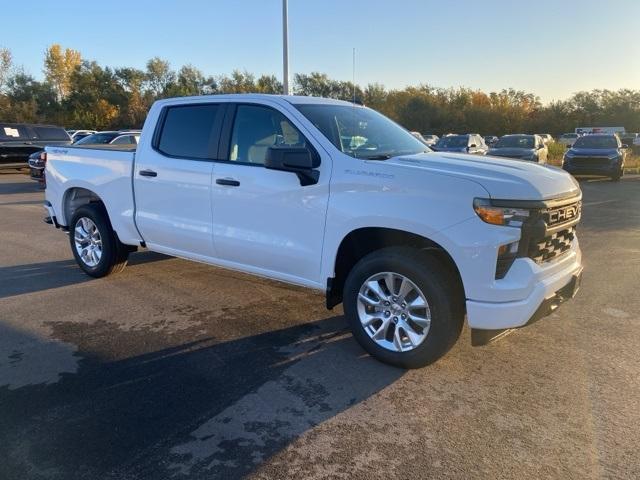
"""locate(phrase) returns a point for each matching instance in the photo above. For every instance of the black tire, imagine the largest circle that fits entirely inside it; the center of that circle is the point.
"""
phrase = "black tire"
(616, 177)
(437, 283)
(114, 254)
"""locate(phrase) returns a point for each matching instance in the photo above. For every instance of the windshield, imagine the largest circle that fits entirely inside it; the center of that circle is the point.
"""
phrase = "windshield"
(361, 132)
(515, 142)
(596, 142)
(98, 138)
(570, 135)
(453, 141)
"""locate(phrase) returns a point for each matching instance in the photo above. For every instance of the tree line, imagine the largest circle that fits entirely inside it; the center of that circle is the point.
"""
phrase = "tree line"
(80, 93)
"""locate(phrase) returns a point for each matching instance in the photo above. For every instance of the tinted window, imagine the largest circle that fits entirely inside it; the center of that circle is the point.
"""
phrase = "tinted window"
(516, 141)
(255, 129)
(188, 131)
(98, 138)
(453, 141)
(592, 141)
(13, 132)
(51, 133)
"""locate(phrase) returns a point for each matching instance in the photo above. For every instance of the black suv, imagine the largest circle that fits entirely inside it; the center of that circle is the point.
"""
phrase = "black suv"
(19, 140)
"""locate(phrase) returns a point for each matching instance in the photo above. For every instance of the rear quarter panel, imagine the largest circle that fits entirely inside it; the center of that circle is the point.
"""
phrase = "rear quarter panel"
(105, 172)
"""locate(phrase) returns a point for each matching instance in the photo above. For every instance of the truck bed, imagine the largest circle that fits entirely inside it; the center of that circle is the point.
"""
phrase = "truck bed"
(103, 170)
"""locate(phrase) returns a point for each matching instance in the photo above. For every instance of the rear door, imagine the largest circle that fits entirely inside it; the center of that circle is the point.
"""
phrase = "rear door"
(264, 220)
(172, 180)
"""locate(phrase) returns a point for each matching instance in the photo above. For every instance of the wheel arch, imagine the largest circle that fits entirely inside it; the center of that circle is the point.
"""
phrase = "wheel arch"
(75, 197)
(363, 241)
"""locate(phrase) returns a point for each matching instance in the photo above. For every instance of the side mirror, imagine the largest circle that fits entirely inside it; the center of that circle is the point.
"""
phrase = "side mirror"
(568, 146)
(299, 160)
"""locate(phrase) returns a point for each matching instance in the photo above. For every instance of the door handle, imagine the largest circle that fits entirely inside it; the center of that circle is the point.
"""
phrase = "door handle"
(228, 182)
(148, 173)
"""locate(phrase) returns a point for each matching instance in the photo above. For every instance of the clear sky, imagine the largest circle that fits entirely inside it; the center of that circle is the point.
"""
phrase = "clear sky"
(551, 48)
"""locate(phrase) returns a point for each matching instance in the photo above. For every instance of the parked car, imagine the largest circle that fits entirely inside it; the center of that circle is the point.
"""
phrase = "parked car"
(596, 154)
(112, 137)
(36, 162)
(419, 136)
(469, 143)
(568, 138)
(19, 140)
(409, 240)
(628, 138)
(547, 138)
(79, 134)
(430, 139)
(490, 140)
(521, 147)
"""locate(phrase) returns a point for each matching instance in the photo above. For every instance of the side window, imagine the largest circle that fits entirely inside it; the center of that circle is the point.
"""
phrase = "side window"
(122, 140)
(13, 132)
(188, 131)
(51, 133)
(255, 129)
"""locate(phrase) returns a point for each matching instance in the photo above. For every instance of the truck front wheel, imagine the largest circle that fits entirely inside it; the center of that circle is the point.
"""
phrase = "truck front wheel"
(94, 244)
(403, 307)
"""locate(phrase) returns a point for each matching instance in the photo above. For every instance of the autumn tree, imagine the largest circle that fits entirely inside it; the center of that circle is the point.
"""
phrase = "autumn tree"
(59, 66)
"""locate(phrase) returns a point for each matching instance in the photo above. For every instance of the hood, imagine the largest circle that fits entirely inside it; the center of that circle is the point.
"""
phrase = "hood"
(503, 179)
(511, 152)
(593, 152)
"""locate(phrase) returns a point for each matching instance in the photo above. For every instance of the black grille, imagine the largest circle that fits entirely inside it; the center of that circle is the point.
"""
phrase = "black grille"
(552, 246)
(590, 161)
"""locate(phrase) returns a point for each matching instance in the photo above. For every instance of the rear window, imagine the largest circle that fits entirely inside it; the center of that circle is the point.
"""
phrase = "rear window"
(13, 132)
(51, 133)
(188, 131)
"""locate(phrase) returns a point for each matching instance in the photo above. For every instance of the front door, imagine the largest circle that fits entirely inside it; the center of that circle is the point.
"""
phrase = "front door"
(264, 221)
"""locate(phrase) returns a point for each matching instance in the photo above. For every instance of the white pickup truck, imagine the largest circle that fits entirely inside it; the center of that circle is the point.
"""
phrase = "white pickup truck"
(335, 197)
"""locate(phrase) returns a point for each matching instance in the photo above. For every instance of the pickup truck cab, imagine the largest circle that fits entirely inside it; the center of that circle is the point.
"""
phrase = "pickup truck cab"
(335, 197)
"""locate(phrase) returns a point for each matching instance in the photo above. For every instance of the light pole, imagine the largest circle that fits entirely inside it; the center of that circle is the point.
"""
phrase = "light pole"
(285, 48)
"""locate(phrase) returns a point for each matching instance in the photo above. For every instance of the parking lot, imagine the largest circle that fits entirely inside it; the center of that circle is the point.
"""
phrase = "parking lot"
(174, 369)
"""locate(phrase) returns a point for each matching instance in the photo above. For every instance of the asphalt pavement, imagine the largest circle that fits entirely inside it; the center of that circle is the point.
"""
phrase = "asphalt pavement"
(178, 370)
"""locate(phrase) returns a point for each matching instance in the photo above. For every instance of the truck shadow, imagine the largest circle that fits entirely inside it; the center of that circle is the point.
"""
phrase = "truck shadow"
(36, 277)
(200, 409)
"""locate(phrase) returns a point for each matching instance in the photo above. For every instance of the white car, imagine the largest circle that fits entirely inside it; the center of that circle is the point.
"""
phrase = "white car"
(547, 138)
(407, 239)
(430, 139)
(79, 134)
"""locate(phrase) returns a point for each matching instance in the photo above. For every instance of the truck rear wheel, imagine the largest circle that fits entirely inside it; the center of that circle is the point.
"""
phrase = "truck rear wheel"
(94, 244)
(403, 307)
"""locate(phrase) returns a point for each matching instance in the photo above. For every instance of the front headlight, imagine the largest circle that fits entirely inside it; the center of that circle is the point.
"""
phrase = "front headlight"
(505, 216)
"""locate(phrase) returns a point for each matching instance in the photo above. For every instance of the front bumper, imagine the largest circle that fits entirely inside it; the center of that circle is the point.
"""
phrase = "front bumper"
(551, 283)
(595, 166)
(547, 307)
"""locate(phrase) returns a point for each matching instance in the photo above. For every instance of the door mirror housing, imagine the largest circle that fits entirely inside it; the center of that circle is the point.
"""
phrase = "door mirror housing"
(299, 160)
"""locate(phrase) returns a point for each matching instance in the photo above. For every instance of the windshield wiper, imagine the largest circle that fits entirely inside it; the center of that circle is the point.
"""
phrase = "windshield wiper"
(382, 156)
